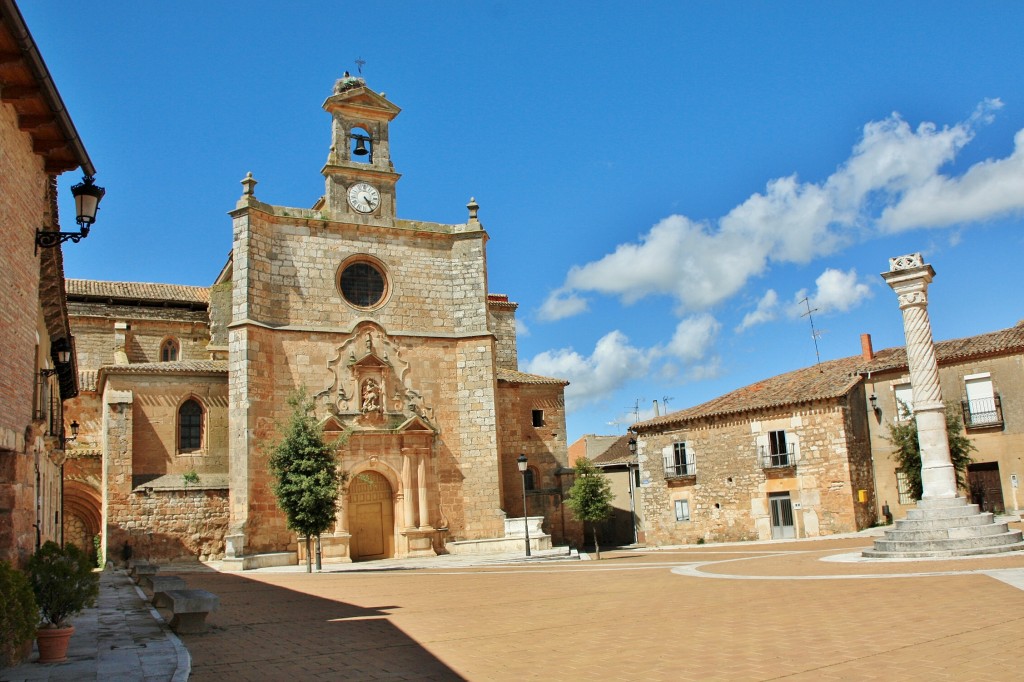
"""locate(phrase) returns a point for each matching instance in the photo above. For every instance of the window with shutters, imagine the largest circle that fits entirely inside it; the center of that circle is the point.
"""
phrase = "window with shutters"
(680, 460)
(904, 401)
(777, 449)
(682, 510)
(981, 407)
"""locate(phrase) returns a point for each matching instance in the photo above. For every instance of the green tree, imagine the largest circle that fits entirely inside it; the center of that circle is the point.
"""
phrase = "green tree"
(306, 474)
(903, 436)
(590, 497)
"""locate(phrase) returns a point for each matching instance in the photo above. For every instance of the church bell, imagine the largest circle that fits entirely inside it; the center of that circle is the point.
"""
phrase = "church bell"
(360, 149)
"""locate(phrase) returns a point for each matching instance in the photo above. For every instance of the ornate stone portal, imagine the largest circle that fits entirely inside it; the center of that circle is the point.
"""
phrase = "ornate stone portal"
(388, 435)
(943, 524)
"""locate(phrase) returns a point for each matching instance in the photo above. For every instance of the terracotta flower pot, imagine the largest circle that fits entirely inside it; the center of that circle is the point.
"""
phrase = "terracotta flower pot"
(53, 644)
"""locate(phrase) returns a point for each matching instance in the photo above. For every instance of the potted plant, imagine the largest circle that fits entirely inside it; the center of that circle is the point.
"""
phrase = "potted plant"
(18, 616)
(64, 584)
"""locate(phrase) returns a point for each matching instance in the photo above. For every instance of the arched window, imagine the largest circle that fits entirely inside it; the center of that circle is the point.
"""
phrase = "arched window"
(529, 478)
(190, 426)
(169, 351)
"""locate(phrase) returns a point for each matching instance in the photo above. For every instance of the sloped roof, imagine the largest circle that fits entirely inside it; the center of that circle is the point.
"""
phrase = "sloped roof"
(836, 378)
(180, 367)
(138, 291)
(515, 377)
(616, 453)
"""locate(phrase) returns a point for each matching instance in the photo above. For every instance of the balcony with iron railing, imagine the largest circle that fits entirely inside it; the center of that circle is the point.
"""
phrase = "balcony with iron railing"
(680, 470)
(982, 413)
(776, 460)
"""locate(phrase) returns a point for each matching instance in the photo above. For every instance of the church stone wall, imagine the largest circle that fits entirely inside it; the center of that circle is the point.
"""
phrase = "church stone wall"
(436, 282)
(728, 496)
(95, 343)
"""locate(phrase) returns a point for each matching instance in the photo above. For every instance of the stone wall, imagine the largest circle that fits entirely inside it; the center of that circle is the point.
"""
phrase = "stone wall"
(24, 208)
(165, 525)
(728, 496)
(95, 343)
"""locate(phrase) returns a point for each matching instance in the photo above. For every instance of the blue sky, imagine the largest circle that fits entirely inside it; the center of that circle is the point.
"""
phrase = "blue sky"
(662, 182)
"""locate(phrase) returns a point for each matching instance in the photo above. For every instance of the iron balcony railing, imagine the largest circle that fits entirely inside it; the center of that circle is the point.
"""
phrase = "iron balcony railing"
(776, 460)
(983, 412)
(680, 469)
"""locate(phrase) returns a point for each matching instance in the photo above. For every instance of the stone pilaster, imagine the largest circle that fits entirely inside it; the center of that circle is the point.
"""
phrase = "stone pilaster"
(909, 277)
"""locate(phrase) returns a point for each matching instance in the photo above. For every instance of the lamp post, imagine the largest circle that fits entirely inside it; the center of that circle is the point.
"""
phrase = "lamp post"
(521, 462)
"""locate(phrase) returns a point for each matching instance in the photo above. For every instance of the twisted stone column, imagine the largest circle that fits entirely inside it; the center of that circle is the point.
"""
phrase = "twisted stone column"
(909, 277)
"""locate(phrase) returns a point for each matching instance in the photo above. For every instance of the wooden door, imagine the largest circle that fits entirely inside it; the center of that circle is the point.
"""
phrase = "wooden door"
(372, 517)
(985, 486)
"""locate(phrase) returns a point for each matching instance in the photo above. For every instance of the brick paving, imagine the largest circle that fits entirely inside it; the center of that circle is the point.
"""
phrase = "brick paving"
(626, 617)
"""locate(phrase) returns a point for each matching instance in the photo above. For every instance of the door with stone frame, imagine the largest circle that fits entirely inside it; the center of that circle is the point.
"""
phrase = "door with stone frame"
(781, 507)
(371, 517)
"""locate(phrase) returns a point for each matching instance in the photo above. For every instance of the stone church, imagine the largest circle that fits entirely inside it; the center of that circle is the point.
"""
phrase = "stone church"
(386, 322)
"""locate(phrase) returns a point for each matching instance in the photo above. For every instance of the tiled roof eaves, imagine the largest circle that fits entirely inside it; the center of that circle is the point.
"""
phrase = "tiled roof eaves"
(516, 377)
(182, 367)
(137, 291)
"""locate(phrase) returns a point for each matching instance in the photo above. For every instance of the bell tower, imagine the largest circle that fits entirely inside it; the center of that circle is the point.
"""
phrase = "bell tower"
(359, 174)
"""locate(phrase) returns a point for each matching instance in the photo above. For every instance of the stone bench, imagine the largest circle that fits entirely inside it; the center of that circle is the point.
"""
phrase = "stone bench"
(158, 584)
(190, 608)
(141, 572)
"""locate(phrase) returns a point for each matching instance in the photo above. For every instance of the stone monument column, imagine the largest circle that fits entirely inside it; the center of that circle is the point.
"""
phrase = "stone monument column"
(909, 277)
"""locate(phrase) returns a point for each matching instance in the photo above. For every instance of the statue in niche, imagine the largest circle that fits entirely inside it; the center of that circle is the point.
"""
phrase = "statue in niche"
(371, 397)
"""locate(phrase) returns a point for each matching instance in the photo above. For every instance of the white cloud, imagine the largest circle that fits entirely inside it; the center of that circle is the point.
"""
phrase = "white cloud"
(521, 328)
(613, 363)
(836, 291)
(766, 311)
(693, 337)
(891, 181)
(561, 304)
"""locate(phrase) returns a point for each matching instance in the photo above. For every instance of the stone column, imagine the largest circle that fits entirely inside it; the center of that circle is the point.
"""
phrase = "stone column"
(909, 277)
(421, 480)
(407, 491)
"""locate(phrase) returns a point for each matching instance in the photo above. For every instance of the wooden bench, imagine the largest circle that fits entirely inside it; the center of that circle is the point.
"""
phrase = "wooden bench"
(190, 608)
(158, 584)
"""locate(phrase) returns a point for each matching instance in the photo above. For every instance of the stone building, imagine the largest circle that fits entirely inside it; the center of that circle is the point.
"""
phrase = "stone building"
(612, 455)
(982, 381)
(38, 142)
(805, 453)
(387, 323)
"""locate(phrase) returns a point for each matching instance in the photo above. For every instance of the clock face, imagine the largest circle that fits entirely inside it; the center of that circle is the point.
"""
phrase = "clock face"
(363, 197)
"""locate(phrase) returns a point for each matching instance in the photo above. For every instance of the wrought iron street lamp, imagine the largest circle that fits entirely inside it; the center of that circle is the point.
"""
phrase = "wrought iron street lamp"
(87, 203)
(521, 462)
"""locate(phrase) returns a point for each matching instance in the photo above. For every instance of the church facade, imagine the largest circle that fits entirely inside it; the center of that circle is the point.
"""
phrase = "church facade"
(386, 323)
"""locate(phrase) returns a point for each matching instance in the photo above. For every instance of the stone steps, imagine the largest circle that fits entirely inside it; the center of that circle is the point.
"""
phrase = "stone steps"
(953, 533)
(946, 527)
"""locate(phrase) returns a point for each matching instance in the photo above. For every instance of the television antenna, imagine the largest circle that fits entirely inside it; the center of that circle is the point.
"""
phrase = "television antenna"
(815, 334)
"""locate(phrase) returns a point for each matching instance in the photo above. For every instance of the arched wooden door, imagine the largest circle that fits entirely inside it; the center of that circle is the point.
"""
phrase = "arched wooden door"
(371, 517)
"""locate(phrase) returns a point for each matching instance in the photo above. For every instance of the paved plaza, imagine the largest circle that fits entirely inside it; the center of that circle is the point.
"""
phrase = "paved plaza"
(741, 612)
(803, 610)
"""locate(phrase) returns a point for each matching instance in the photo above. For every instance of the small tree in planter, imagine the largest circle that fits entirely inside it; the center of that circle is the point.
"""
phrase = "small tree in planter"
(18, 616)
(64, 584)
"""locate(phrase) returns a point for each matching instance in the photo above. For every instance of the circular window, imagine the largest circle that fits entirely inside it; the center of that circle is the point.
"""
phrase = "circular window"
(362, 284)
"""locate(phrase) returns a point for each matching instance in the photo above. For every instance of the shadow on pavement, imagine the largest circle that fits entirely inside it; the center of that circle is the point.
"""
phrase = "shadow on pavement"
(266, 632)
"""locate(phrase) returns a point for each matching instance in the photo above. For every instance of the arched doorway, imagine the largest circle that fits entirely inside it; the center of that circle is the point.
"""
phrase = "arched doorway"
(371, 514)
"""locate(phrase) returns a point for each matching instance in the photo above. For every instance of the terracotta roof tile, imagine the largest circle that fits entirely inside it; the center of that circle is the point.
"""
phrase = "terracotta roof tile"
(835, 378)
(138, 291)
(180, 367)
(515, 377)
(617, 453)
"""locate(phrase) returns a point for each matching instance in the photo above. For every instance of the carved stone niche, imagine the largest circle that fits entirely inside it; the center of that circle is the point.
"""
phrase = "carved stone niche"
(370, 387)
